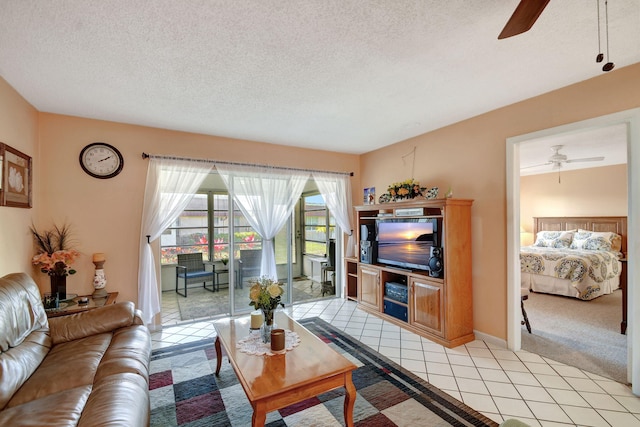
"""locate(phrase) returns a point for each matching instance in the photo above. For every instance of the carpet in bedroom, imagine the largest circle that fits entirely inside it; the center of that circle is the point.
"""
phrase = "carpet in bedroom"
(584, 334)
(185, 391)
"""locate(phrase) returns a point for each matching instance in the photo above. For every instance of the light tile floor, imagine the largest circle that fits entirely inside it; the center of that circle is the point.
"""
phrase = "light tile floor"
(304, 290)
(499, 383)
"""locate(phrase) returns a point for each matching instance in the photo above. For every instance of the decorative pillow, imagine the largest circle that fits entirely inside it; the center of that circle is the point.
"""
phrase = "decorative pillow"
(554, 239)
(596, 241)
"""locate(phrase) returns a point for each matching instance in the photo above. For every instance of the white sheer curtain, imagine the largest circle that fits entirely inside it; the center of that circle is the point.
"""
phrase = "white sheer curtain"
(266, 197)
(336, 192)
(171, 184)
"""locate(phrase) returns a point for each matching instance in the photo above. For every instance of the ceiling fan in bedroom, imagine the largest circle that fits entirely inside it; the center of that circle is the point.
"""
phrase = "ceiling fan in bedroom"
(557, 160)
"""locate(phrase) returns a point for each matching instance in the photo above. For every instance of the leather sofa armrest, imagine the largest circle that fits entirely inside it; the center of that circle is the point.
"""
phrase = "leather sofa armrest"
(137, 317)
(92, 322)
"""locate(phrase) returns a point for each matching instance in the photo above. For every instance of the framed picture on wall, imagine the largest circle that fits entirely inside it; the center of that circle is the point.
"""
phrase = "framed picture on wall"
(369, 196)
(15, 174)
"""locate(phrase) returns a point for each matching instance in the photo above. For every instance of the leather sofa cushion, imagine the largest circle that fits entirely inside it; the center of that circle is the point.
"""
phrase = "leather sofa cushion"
(129, 352)
(17, 365)
(107, 319)
(68, 365)
(61, 409)
(118, 400)
(21, 311)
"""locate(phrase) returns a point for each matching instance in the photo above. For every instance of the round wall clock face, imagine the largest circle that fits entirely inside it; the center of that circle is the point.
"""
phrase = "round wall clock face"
(101, 160)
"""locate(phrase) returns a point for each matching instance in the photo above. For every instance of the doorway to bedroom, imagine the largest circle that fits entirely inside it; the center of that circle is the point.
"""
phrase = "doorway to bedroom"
(552, 197)
(576, 321)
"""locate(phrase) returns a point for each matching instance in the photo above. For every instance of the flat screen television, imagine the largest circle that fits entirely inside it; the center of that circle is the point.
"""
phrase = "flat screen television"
(406, 242)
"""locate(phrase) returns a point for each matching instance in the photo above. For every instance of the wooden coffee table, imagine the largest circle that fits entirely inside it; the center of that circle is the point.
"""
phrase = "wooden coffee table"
(274, 382)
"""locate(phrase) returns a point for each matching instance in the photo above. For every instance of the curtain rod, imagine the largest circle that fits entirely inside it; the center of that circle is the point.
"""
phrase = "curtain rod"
(155, 156)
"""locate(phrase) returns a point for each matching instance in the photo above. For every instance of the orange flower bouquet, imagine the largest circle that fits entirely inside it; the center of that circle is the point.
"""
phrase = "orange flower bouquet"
(54, 256)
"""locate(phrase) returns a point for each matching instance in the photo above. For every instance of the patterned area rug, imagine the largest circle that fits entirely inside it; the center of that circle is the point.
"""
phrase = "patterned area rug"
(186, 392)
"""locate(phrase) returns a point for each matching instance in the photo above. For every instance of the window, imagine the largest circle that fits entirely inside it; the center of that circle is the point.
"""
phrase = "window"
(204, 227)
(316, 232)
(220, 227)
(245, 237)
(189, 233)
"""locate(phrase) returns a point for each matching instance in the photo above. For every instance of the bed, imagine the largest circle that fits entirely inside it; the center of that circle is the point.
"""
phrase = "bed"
(575, 256)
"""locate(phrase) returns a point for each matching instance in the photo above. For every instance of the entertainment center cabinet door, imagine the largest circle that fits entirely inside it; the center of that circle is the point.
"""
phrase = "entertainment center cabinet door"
(369, 283)
(427, 301)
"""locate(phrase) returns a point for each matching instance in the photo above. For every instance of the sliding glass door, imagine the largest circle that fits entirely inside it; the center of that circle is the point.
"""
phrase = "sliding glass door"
(247, 250)
(304, 249)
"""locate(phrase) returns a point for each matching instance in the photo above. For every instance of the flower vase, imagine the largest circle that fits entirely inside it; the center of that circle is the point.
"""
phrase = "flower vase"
(59, 286)
(267, 325)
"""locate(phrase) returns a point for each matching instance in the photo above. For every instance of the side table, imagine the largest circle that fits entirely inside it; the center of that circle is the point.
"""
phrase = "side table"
(73, 306)
(218, 272)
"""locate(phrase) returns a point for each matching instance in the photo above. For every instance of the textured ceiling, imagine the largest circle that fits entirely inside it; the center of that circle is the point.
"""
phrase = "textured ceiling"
(341, 75)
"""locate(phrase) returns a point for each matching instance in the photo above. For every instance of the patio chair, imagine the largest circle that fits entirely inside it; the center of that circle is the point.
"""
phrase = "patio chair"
(248, 265)
(329, 268)
(191, 269)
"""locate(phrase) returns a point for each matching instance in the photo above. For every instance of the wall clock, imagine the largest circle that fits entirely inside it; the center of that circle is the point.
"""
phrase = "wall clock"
(101, 160)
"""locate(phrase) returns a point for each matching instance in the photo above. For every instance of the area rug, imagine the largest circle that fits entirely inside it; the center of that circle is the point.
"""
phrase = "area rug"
(185, 391)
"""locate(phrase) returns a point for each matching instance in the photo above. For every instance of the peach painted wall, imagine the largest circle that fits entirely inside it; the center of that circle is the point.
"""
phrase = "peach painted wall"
(18, 129)
(598, 191)
(470, 157)
(105, 213)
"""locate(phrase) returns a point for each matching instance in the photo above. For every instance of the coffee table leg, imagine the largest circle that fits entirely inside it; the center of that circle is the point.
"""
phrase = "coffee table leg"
(349, 399)
(259, 415)
(218, 355)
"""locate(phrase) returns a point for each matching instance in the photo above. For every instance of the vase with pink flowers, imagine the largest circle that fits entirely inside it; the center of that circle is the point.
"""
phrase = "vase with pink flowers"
(55, 256)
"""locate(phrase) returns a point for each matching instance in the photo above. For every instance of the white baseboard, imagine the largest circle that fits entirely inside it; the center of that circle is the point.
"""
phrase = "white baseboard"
(490, 339)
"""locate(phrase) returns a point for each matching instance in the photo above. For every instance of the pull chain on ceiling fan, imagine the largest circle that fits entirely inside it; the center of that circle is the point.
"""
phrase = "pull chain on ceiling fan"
(609, 65)
(599, 56)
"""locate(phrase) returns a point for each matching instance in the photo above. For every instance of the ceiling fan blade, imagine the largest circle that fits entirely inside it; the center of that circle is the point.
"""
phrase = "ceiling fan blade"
(535, 166)
(586, 159)
(523, 18)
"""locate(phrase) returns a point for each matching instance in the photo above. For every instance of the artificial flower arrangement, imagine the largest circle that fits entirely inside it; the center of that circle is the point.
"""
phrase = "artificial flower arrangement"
(54, 256)
(407, 189)
(265, 294)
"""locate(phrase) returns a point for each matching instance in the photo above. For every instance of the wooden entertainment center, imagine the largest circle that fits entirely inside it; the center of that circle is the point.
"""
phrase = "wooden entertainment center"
(437, 308)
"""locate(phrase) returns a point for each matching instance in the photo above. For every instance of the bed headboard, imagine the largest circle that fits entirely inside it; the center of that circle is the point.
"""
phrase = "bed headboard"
(615, 224)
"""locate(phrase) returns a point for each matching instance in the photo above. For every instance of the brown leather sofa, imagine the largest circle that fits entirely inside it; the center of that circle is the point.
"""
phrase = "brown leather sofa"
(85, 369)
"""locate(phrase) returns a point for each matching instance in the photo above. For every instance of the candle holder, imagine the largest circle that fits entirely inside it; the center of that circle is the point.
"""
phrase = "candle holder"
(256, 320)
(99, 279)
